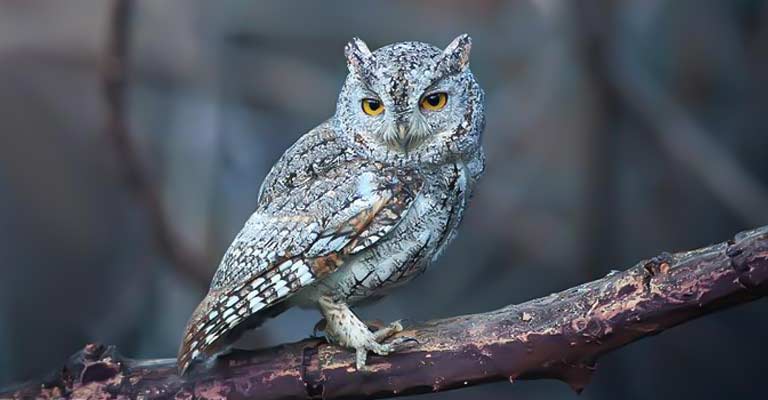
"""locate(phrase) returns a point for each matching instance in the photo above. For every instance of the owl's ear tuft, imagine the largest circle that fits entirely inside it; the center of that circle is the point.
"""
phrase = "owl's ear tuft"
(456, 55)
(358, 56)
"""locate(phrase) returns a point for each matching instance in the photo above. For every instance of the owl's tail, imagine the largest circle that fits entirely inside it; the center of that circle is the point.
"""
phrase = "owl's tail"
(198, 335)
(216, 324)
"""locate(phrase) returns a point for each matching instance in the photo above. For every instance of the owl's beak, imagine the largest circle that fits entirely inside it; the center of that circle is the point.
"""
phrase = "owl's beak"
(403, 138)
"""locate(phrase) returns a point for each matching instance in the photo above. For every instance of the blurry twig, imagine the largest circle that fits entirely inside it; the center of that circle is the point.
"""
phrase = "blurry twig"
(691, 144)
(594, 22)
(187, 264)
(557, 337)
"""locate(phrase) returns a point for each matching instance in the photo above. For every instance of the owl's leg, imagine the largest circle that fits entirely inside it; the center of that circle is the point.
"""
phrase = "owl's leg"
(345, 329)
(373, 326)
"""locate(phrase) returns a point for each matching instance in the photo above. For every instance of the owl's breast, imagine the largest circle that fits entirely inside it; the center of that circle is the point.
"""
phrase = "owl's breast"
(430, 224)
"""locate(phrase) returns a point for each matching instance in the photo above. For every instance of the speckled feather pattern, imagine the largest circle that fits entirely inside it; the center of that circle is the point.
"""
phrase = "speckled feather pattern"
(344, 216)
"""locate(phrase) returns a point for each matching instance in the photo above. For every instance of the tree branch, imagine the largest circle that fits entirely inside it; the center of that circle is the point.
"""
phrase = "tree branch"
(559, 336)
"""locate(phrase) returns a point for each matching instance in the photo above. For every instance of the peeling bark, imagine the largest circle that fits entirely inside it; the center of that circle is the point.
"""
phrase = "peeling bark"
(559, 336)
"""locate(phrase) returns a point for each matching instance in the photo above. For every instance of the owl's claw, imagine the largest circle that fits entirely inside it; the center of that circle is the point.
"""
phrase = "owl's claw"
(383, 349)
(375, 325)
(395, 345)
(388, 330)
(345, 329)
(404, 343)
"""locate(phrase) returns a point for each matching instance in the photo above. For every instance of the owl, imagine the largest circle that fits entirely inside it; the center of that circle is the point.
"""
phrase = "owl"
(357, 206)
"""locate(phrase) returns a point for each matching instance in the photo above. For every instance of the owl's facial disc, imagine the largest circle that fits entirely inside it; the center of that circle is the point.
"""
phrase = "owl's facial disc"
(403, 98)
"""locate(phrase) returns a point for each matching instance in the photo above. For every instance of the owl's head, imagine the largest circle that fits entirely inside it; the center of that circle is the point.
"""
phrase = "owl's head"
(411, 101)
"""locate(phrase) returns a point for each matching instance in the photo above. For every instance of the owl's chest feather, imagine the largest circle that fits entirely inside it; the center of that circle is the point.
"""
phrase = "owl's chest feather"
(431, 223)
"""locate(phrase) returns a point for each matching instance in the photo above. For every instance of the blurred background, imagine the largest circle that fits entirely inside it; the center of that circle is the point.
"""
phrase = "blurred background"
(134, 135)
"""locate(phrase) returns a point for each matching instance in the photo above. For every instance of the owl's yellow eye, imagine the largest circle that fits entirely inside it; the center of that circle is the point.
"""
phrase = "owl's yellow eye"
(434, 101)
(372, 107)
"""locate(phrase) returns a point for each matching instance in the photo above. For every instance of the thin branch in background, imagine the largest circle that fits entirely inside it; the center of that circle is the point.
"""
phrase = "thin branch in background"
(557, 337)
(594, 25)
(187, 264)
(690, 144)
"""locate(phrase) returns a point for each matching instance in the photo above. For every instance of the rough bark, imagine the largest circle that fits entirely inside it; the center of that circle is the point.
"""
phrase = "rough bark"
(559, 336)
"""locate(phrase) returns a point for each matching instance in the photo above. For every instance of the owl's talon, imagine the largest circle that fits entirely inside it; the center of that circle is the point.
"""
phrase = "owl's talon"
(403, 343)
(388, 331)
(395, 346)
(375, 325)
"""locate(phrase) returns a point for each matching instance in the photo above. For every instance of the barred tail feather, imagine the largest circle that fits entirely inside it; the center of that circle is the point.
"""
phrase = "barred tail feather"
(220, 312)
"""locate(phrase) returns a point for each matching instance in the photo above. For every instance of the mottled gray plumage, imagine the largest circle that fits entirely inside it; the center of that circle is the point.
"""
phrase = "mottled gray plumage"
(358, 205)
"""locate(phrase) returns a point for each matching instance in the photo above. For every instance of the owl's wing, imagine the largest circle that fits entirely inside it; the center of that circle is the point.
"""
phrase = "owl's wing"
(296, 237)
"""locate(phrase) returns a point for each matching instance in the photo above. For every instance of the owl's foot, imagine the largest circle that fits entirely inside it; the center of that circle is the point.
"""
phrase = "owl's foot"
(385, 332)
(345, 329)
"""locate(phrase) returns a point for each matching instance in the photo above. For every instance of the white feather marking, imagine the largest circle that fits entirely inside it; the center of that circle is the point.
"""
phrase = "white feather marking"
(365, 185)
(320, 244)
(256, 304)
(282, 291)
(256, 283)
(280, 284)
(232, 319)
(285, 265)
(337, 243)
(305, 278)
(300, 269)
